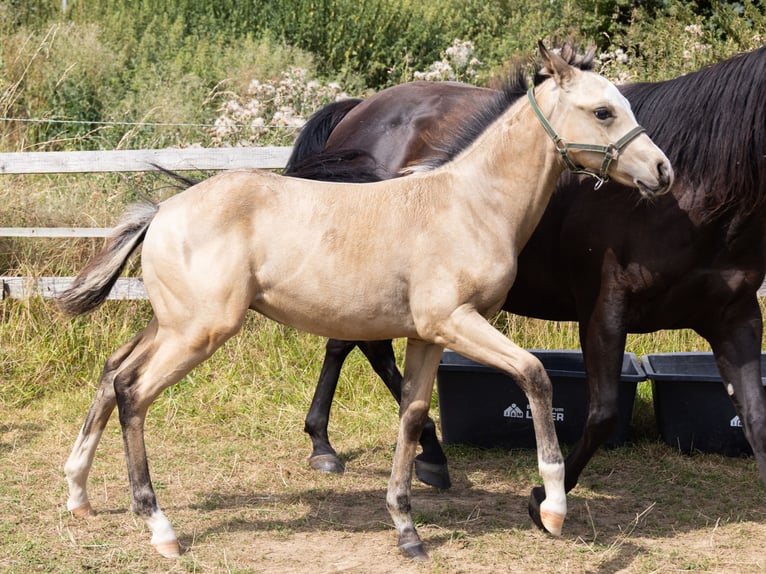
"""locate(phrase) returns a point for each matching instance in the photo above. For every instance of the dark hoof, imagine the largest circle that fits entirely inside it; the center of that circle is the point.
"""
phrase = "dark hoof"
(436, 475)
(535, 499)
(414, 550)
(327, 463)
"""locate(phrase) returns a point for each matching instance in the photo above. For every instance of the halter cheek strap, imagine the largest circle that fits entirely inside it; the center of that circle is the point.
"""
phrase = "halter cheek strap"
(610, 151)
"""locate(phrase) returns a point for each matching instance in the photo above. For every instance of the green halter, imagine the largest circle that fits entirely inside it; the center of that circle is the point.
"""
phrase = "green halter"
(610, 151)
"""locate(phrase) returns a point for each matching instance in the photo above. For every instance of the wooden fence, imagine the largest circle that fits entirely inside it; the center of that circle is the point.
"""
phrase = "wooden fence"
(189, 159)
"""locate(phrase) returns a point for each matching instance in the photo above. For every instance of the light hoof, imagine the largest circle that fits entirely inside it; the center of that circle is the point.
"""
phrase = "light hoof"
(83, 511)
(168, 549)
(327, 463)
(553, 522)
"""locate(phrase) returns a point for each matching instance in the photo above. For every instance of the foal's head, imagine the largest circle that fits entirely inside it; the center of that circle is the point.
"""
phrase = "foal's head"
(595, 130)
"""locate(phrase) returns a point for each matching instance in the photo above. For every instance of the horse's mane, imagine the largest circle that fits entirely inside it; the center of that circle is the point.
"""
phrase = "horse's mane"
(712, 125)
(314, 163)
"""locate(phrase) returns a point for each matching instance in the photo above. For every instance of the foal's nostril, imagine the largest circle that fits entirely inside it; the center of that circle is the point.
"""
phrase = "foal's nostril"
(665, 173)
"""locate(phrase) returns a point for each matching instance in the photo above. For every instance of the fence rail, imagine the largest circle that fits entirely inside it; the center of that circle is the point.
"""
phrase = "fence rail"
(187, 159)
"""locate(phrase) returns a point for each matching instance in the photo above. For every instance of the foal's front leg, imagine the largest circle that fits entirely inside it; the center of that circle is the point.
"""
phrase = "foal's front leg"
(431, 464)
(421, 364)
(469, 334)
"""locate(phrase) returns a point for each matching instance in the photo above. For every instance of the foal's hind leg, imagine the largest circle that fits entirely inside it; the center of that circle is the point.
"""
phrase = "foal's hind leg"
(78, 465)
(160, 358)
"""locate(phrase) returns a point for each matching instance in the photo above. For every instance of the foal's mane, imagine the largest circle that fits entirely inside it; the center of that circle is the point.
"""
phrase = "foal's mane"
(712, 125)
(510, 89)
(466, 132)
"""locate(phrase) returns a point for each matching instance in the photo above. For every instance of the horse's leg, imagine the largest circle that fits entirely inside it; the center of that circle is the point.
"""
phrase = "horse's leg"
(736, 343)
(431, 464)
(469, 334)
(323, 456)
(80, 460)
(420, 366)
(603, 340)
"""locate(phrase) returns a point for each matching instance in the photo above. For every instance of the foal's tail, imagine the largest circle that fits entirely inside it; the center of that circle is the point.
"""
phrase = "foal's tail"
(92, 286)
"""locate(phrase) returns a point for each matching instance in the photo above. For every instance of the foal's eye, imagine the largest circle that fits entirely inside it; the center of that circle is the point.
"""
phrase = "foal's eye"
(602, 114)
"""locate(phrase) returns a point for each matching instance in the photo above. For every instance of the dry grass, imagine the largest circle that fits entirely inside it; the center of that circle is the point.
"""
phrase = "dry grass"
(242, 499)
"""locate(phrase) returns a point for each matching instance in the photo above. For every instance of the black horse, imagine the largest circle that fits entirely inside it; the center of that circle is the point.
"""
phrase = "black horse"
(693, 258)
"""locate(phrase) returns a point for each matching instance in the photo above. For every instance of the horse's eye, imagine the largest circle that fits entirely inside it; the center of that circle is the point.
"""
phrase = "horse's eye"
(603, 114)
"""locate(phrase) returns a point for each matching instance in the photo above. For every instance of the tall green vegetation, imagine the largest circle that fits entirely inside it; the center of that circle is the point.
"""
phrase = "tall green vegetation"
(169, 61)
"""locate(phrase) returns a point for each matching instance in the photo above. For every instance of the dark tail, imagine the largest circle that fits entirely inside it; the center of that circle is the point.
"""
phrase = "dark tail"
(318, 128)
(92, 286)
(310, 160)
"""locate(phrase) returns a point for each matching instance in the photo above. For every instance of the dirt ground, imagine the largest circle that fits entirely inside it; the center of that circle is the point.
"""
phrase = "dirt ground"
(241, 505)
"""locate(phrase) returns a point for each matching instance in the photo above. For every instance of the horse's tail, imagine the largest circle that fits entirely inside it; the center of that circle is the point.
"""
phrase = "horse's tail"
(317, 129)
(92, 286)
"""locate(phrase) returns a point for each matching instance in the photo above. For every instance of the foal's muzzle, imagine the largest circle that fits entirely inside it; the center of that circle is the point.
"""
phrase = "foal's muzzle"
(665, 178)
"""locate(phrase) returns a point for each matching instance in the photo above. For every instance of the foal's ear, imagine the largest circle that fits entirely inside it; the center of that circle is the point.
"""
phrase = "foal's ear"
(554, 64)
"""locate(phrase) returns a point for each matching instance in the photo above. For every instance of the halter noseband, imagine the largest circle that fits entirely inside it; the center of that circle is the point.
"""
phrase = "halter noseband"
(610, 151)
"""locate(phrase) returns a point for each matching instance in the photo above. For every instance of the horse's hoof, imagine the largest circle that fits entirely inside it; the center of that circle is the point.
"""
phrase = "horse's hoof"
(83, 511)
(432, 474)
(169, 549)
(327, 463)
(535, 500)
(414, 551)
(553, 522)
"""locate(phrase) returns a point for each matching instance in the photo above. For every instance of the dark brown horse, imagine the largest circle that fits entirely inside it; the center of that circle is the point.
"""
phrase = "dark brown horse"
(693, 258)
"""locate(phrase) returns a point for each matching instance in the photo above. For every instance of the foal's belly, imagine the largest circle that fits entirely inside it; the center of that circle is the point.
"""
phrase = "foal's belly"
(338, 318)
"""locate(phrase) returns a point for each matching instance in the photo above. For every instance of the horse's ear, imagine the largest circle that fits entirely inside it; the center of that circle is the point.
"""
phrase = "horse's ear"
(554, 64)
(567, 52)
(587, 59)
(581, 61)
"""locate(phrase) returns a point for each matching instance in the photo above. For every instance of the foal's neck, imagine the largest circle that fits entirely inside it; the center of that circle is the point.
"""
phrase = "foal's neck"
(513, 166)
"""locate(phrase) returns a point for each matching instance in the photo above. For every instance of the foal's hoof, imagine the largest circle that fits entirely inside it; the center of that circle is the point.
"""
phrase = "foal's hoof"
(327, 463)
(414, 551)
(83, 511)
(550, 522)
(535, 500)
(169, 549)
(553, 522)
(432, 474)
